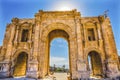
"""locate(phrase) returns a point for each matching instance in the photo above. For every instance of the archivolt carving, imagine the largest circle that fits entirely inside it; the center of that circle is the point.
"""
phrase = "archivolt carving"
(17, 52)
(55, 26)
(92, 49)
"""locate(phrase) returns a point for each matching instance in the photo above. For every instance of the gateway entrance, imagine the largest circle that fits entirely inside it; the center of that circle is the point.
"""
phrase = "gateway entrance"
(20, 67)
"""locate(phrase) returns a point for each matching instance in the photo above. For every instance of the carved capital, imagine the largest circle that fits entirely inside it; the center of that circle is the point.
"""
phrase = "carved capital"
(15, 20)
(101, 19)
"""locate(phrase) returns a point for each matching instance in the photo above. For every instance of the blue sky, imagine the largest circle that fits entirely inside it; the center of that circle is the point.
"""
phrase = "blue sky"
(59, 53)
(27, 9)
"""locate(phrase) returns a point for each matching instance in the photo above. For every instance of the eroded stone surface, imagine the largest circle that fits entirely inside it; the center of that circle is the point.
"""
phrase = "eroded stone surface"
(85, 35)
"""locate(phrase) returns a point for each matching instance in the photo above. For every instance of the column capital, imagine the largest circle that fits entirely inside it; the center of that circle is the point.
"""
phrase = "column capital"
(101, 19)
(15, 20)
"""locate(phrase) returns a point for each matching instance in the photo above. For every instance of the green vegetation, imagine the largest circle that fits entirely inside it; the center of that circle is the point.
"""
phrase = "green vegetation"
(58, 69)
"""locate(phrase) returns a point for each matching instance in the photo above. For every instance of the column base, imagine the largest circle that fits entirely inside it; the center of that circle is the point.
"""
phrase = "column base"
(112, 69)
(5, 70)
(32, 71)
(83, 75)
(4, 75)
(110, 74)
(32, 74)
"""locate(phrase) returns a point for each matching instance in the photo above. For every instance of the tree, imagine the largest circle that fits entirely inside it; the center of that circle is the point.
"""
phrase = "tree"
(63, 68)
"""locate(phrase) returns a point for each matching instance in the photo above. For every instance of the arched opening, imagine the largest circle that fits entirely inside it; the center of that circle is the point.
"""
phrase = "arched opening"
(95, 64)
(91, 34)
(25, 33)
(55, 35)
(20, 67)
(59, 57)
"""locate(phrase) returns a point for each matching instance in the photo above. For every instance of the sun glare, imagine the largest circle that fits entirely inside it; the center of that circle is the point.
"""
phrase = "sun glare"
(64, 6)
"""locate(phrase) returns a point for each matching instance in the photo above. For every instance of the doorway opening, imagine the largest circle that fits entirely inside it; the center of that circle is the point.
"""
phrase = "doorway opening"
(95, 65)
(59, 55)
(20, 67)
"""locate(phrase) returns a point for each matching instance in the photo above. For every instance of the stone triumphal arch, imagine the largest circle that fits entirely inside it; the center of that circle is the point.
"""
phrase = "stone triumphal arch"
(26, 45)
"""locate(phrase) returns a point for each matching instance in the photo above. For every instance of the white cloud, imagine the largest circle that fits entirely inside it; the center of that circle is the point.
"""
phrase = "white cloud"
(59, 40)
(119, 52)
(60, 43)
(62, 46)
(59, 61)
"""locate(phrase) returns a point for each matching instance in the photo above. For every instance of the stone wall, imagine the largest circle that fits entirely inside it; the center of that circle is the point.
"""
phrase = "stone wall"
(0, 53)
(119, 63)
(84, 35)
(0, 48)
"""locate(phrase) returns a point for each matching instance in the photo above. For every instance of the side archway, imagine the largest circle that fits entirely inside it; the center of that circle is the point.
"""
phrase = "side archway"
(90, 49)
(19, 63)
(18, 51)
(94, 64)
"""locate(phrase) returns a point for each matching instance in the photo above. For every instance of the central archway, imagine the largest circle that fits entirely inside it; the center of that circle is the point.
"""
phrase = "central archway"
(57, 33)
(50, 32)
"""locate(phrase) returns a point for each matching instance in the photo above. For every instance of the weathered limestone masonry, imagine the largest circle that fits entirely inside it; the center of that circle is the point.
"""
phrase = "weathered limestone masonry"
(26, 45)
(119, 61)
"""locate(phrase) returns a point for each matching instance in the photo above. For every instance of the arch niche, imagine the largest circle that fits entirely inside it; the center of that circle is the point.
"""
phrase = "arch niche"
(58, 30)
(20, 65)
(95, 64)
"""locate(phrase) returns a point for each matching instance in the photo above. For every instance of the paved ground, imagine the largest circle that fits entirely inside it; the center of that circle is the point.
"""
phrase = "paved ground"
(56, 76)
(17, 79)
(60, 76)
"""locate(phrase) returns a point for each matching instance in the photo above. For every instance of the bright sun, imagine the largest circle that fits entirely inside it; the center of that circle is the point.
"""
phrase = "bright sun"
(63, 6)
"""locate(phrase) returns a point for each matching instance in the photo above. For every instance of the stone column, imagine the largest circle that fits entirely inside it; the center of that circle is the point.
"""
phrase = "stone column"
(30, 33)
(16, 36)
(100, 41)
(73, 60)
(36, 41)
(85, 35)
(101, 47)
(33, 64)
(30, 37)
(81, 64)
(43, 58)
(79, 40)
(10, 44)
(99, 31)
(111, 58)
